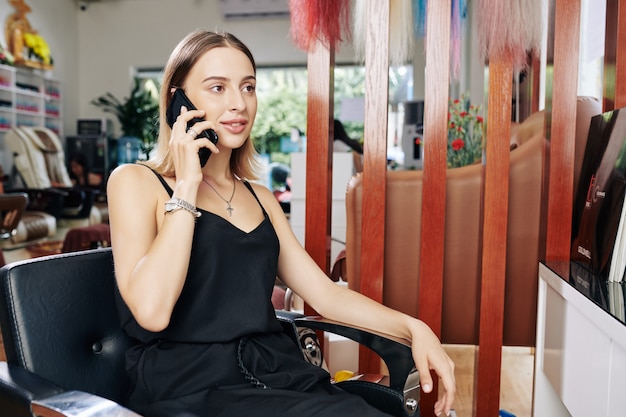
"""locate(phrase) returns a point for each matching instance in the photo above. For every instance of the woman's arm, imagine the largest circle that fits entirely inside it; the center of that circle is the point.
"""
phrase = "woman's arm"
(299, 272)
(151, 250)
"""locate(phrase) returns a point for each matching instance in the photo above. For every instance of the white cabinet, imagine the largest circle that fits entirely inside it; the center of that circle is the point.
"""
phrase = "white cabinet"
(580, 365)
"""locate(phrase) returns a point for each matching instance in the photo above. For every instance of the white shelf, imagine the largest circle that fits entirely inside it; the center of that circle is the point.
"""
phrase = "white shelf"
(37, 106)
(35, 99)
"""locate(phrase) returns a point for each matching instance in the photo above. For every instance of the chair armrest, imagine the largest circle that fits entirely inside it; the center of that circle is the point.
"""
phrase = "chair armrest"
(79, 404)
(53, 191)
(49, 200)
(22, 390)
(404, 384)
(19, 387)
(395, 352)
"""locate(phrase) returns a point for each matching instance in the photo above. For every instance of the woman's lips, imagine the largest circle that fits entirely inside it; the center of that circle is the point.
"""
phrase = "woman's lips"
(235, 126)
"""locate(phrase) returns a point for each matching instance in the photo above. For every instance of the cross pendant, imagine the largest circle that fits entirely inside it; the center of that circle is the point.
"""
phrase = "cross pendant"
(230, 210)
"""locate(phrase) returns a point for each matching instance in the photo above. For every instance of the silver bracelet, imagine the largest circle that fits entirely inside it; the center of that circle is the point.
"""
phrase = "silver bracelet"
(175, 204)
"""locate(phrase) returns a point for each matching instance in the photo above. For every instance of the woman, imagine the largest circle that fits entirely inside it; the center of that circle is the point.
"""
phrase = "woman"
(81, 175)
(197, 250)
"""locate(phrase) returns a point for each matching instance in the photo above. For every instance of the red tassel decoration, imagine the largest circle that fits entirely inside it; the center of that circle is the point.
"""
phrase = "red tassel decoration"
(323, 20)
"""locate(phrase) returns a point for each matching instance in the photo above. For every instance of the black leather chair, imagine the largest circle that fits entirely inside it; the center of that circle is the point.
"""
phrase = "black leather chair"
(65, 347)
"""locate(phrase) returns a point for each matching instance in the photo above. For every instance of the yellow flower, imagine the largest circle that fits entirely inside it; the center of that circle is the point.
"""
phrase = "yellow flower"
(38, 45)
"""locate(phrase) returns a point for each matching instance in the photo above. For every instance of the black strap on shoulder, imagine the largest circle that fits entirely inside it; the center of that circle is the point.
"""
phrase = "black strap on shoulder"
(249, 187)
(160, 177)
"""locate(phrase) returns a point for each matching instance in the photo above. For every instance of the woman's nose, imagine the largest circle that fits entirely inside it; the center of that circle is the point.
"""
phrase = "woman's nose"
(236, 101)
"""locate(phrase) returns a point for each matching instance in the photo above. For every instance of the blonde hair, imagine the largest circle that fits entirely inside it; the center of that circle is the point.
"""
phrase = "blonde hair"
(243, 162)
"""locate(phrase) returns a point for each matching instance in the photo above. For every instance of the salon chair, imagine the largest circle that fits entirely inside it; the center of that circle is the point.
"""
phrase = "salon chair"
(65, 347)
(39, 170)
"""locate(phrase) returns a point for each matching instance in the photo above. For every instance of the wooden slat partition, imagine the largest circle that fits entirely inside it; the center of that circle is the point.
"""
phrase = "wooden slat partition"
(559, 205)
(496, 192)
(374, 160)
(437, 81)
(563, 129)
(321, 62)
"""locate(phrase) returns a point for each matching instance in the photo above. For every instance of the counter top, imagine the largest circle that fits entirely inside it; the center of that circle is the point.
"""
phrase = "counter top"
(609, 296)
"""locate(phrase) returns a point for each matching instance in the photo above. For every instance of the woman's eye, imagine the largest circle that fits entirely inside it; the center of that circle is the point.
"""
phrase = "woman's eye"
(217, 88)
(249, 88)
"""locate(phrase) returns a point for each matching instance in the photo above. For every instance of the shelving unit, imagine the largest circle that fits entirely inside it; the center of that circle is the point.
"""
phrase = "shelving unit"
(28, 98)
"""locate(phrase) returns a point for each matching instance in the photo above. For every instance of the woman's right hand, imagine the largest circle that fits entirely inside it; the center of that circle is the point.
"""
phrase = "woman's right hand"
(184, 146)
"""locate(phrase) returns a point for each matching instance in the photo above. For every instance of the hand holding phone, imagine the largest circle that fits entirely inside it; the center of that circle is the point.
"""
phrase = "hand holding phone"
(180, 99)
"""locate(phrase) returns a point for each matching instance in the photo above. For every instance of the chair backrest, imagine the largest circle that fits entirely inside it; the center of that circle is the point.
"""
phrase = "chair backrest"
(59, 320)
(38, 157)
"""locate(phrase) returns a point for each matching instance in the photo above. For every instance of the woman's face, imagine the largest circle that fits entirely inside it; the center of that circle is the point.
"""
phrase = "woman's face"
(223, 84)
(76, 168)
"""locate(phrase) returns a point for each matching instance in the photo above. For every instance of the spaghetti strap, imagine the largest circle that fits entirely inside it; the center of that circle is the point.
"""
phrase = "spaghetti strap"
(249, 187)
(160, 177)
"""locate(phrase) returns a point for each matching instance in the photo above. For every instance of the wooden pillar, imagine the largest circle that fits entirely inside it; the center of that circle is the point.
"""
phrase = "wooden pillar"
(437, 81)
(321, 62)
(374, 160)
(562, 131)
(496, 202)
(620, 59)
(614, 96)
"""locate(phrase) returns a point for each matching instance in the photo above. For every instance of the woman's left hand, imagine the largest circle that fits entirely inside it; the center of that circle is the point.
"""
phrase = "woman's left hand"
(428, 354)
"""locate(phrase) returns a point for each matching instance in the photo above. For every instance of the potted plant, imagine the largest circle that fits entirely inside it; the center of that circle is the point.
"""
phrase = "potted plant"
(138, 114)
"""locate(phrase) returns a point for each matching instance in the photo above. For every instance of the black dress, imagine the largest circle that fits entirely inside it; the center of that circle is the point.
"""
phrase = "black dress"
(224, 353)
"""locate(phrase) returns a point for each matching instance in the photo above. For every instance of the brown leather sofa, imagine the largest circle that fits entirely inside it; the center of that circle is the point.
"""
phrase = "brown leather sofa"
(461, 280)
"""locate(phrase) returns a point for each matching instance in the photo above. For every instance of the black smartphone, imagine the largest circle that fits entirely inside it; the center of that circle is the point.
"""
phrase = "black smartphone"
(180, 99)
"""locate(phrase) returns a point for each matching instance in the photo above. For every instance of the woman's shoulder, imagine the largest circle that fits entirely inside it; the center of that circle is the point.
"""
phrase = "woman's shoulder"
(266, 197)
(259, 189)
(132, 170)
(132, 175)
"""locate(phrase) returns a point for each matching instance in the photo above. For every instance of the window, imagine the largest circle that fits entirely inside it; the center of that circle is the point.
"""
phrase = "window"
(282, 97)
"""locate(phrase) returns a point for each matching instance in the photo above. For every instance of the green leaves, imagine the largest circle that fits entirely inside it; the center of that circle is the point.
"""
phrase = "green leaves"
(137, 114)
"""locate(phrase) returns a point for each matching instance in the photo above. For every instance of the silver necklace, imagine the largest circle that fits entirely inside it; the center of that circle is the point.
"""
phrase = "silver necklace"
(229, 208)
